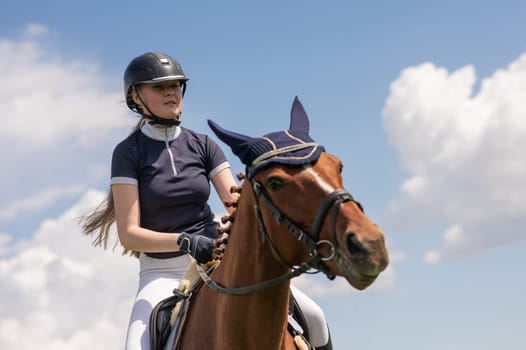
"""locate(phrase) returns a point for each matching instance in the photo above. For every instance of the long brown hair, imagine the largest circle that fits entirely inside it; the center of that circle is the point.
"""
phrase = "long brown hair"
(101, 220)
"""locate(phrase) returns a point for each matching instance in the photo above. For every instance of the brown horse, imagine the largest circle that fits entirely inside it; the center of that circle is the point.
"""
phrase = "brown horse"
(293, 214)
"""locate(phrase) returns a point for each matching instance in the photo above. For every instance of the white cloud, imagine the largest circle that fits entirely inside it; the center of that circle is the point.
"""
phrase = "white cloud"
(37, 201)
(464, 152)
(63, 122)
(35, 29)
(62, 291)
(4, 241)
(51, 99)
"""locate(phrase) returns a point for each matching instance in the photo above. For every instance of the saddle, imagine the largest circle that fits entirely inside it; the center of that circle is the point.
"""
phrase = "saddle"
(168, 316)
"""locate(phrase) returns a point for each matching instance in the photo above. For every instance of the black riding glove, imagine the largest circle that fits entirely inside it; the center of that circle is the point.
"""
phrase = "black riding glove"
(200, 247)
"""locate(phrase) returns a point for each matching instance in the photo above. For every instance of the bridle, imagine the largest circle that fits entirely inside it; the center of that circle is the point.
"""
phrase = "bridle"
(315, 261)
(312, 240)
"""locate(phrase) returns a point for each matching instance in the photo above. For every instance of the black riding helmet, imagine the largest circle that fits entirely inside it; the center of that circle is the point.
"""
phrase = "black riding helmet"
(152, 67)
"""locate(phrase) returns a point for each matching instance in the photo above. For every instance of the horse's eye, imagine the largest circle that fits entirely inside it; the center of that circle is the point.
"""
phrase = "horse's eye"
(341, 168)
(274, 183)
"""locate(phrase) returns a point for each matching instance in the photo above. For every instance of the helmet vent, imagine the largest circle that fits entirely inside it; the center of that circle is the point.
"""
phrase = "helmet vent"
(165, 62)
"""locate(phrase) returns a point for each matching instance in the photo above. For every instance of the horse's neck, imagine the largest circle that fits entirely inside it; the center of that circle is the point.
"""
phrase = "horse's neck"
(248, 255)
(249, 261)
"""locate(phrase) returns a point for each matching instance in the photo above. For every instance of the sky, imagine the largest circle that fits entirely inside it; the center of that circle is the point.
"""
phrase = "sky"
(423, 102)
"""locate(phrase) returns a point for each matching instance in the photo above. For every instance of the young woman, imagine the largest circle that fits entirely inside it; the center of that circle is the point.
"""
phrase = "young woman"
(160, 185)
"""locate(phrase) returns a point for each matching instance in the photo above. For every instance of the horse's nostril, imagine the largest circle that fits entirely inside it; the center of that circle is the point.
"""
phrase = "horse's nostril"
(355, 248)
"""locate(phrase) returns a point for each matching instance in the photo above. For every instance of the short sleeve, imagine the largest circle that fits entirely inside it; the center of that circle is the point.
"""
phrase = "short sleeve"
(124, 164)
(215, 158)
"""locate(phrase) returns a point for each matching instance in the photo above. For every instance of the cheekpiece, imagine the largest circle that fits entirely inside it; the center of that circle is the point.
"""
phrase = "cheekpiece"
(289, 147)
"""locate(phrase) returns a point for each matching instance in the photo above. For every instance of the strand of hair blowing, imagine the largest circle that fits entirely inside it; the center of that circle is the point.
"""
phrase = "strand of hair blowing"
(102, 218)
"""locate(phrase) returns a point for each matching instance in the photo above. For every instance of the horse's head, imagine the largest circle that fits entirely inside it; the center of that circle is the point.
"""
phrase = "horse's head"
(295, 181)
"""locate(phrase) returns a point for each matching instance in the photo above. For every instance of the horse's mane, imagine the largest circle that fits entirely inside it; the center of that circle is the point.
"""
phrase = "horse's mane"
(227, 221)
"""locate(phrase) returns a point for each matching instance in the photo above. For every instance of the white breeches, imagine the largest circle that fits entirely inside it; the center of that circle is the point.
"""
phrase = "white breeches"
(157, 280)
(316, 323)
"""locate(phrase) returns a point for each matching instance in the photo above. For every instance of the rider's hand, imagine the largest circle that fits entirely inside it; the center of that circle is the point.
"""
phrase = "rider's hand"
(198, 246)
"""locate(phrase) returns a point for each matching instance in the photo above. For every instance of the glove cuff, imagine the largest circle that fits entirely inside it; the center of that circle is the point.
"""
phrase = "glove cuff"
(183, 242)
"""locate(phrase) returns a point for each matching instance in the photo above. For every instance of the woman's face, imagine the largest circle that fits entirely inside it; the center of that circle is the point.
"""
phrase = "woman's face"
(164, 99)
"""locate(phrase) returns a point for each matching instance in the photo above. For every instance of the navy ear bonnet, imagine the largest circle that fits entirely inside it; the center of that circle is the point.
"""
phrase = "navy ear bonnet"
(289, 147)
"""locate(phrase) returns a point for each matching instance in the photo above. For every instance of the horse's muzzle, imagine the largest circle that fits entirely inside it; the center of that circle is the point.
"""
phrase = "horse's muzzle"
(364, 258)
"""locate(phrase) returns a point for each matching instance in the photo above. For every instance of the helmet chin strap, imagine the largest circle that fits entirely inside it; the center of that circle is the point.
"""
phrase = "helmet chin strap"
(153, 119)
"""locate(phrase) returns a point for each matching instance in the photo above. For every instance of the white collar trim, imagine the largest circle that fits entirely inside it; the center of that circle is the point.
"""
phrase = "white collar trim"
(161, 134)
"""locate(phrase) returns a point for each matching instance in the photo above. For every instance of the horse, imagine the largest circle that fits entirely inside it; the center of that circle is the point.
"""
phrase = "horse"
(293, 215)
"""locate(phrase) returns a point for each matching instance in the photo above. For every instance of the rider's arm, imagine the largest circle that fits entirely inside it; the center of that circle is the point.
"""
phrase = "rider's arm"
(223, 181)
(131, 235)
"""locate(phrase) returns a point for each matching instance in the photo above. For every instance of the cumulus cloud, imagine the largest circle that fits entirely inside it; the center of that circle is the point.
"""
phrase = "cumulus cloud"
(38, 201)
(61, 123)
(60, 291)
(35, 29)
(464, 151)
(4, 240)
(52, 99)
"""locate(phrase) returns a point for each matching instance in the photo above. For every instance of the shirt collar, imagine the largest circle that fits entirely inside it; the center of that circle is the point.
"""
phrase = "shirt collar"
(161, 134)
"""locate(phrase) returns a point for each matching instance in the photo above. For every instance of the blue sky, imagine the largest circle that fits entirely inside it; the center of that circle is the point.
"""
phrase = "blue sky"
(424, 103)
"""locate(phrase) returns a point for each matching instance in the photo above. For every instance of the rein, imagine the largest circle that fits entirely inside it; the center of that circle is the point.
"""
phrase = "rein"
(254, 287)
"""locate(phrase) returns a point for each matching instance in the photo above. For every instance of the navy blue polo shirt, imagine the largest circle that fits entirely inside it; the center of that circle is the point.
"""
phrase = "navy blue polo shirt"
(172, 168)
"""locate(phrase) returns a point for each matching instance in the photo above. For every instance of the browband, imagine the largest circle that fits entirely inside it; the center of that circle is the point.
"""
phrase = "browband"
(282, 150)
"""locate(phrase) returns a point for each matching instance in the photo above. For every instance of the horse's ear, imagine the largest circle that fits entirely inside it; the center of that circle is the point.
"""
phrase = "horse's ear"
(233, 139)
(298, 117)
